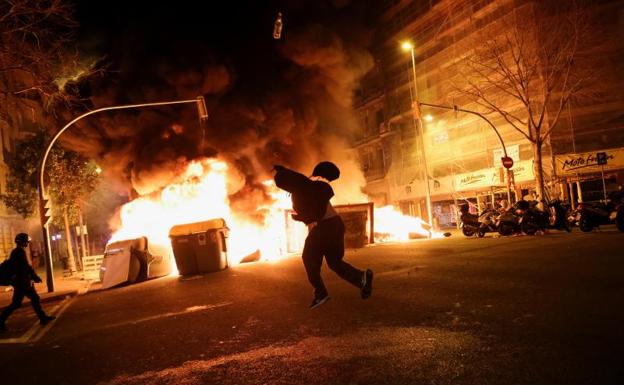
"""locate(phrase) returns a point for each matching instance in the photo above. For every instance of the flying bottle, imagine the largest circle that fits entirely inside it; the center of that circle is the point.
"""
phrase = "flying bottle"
(277, 27)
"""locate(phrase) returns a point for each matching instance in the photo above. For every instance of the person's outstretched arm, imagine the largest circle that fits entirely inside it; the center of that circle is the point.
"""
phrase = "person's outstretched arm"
(289, 180)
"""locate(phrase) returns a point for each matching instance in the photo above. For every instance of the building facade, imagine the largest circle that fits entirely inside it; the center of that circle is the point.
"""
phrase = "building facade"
(462, 151)
(22, 123)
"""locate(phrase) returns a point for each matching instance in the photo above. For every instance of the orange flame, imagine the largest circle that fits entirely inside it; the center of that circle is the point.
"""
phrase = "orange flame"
(392, 225)
(201, 193)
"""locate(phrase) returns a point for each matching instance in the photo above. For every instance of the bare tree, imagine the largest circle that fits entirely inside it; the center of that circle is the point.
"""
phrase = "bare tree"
(528, 65)
(36, 67)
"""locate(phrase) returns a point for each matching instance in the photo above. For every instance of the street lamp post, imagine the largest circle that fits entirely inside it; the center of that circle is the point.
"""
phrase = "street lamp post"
(407, 46)
(43, 197)
(500, 138)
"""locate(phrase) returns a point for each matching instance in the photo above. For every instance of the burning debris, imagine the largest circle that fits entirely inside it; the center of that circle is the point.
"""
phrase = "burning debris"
(133, 260)
(177, 217)
(200, 247)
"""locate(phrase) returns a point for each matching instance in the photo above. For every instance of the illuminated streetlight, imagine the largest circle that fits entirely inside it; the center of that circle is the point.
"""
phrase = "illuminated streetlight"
(428, 118)
(408, 46)
(202, 111)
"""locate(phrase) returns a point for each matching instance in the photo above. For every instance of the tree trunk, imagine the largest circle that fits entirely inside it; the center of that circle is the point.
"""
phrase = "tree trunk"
(83, 246)
(538, 167)
(71, 260)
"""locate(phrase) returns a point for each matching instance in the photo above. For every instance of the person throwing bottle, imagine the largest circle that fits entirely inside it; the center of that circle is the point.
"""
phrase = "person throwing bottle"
(310, 198)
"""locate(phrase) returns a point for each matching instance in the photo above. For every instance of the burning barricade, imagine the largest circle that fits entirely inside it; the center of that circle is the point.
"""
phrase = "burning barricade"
(133, 260)
(200, 247)
(197, 248)
(174, 219)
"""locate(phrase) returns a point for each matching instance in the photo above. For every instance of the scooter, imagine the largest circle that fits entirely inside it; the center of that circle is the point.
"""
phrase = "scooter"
(488, 222)
(591, 215)
(535, 219)
(510, 221)
(619, 216)
(560, 213)
(469, 222)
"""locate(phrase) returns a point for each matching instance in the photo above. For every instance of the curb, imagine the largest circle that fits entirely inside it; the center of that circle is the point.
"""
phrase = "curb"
(54, 296)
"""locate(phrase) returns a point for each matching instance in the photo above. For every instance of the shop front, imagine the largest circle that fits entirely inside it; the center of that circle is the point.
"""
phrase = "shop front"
(590, 176)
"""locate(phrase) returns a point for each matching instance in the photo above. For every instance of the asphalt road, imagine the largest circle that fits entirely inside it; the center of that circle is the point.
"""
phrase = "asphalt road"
(520, 310)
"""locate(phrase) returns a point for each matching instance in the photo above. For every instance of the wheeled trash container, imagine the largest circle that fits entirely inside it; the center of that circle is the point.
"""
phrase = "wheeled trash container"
(133, 260)
(200, 247)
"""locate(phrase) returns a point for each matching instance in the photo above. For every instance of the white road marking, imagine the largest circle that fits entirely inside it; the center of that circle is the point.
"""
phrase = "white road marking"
(37, 331)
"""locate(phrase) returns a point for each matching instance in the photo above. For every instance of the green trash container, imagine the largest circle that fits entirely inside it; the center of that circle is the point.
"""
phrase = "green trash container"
(200, 247)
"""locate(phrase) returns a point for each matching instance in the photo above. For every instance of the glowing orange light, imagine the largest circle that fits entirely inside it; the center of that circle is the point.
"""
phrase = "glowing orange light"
(201, 193)
(407, 45)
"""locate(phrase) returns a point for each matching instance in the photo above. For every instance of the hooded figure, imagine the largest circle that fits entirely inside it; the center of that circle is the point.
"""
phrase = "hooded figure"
(311, 204)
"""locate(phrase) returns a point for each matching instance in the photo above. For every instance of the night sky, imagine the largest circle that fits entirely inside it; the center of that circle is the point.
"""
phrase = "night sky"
(141, 41)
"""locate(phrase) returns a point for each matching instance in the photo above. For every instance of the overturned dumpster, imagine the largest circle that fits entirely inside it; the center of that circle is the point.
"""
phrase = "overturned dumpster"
(200, 247)
(133, 260)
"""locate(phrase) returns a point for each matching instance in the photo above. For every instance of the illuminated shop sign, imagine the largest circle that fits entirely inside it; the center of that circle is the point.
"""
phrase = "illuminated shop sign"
(587, 162)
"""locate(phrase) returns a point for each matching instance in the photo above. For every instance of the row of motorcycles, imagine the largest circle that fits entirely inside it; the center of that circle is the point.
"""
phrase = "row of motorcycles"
(530, 217)
(522, 217)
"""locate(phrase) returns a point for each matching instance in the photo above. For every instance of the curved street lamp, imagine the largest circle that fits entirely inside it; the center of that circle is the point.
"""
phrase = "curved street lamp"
(43, 198)
(408, 46)
(500, 138)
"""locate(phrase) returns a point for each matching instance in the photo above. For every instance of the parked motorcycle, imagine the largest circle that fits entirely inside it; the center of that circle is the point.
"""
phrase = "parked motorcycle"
(469, 222)
(560, 213)
(510, 220)
(536, 219)
(594, 214)
(617, 197)
(488, 222)
(619, 216)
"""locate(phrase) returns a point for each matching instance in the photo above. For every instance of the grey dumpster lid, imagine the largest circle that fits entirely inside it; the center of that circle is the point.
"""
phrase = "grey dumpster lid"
(197, 227)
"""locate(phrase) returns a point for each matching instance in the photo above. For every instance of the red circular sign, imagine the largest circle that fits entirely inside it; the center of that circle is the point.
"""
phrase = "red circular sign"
(507, 162)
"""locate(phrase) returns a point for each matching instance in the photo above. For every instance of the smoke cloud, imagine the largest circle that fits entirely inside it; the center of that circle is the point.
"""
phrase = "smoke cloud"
(288, 102)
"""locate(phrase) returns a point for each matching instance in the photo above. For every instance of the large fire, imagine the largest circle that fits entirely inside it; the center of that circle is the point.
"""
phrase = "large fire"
(201, 193)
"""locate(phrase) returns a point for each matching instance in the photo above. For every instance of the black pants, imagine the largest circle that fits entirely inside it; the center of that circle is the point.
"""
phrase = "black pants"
(327, 239)
(19, 292)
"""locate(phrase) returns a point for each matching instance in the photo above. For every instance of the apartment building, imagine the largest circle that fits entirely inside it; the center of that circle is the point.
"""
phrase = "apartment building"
(462, 151)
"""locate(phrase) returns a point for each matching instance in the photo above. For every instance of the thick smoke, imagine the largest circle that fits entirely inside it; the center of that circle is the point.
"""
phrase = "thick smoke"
(295, 110)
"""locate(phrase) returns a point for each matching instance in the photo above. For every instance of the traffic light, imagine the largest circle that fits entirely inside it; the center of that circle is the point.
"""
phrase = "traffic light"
(202, 111)
(45, 210)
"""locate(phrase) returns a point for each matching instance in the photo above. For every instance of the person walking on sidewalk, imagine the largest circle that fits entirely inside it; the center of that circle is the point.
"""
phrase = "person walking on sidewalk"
(310, 197)
(22, 277)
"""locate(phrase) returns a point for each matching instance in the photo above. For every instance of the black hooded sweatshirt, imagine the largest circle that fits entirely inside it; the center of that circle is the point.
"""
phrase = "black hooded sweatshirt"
(309, 197)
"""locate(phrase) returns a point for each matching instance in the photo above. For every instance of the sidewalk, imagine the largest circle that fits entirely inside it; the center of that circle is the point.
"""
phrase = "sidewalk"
(63, 287)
